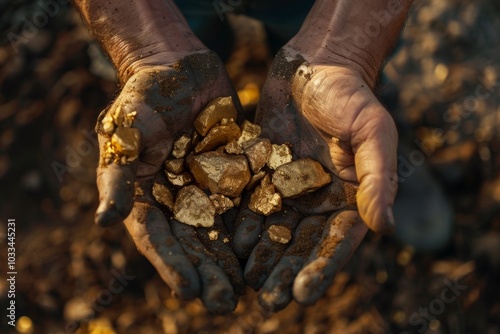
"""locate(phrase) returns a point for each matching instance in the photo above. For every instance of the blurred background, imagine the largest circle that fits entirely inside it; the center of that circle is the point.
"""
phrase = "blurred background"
(442, 85)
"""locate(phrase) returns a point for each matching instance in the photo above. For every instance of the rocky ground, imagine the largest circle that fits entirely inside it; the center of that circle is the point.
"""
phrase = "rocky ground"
(55, 81)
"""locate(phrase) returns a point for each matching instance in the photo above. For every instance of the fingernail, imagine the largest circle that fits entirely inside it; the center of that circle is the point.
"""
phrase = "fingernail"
(390, 219)
(106, 217)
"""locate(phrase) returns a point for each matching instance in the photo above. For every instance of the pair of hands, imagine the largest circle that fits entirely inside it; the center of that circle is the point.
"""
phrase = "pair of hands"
(327, 112)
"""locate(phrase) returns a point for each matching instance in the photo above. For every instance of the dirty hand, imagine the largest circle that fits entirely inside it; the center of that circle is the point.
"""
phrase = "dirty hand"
(330, 114)
(163, 102)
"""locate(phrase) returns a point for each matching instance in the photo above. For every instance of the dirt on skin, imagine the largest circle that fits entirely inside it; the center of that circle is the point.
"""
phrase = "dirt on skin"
(52, 92)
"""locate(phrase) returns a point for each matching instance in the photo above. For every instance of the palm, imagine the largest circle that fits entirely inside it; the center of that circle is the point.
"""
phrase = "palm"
(328, 115)
(167, 100)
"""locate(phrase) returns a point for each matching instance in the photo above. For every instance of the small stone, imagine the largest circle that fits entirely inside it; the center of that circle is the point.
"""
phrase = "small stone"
(257, 151)
(118, 116)
(129, 118)
(220, 173)
(163, 195)
(179, 180)
(218, 135)
(236, 201)
(175, 166)
(108, 125)
(254, 180)
(195, 138)
(280, 154)
(193, 207)
(225, 240)
(300, 177)
(265, 200)
(249, 131)
(139, 191)
(221, 203)
(216, 110)
(181, 146)
(233, 148)
(213, 235)
(279, 234)
(126, 141)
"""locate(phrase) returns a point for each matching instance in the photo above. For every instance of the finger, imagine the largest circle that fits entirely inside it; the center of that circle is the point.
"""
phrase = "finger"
(276, 293)
(342, 234)
(217, 294)
(248, 230)
(153, 237)
(267, 252)
(374, 144)
(216, 241)
(116, 193)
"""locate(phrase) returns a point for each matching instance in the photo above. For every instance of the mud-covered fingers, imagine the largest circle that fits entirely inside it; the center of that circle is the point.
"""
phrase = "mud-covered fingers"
(342, 235)
(153, 237)
(268, 251)
(276, 293)
(116, 193)
(216, 241)
(247, 234)
(217, 293)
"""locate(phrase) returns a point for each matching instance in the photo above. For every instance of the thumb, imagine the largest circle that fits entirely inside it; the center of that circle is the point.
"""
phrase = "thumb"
(374, 142)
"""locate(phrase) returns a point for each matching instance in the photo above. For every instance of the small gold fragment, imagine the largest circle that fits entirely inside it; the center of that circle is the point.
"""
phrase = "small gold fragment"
(220, 173)
(117, 116)
(179, 180)
(237, 201)
(279, 234)
(126, 141)
(233, 148)
(257, 151)
(225, 240)
(265, 200)
(221, 203)
(216, 110)
(213, 235)
(193, 207)
(300, 177)
(128, 120)
(108, 126)
(138, 191)
(175, 166)
(280, 154)
(218, 135)
(163, 195)
(249, 131)
(195, 138)
(181, 146)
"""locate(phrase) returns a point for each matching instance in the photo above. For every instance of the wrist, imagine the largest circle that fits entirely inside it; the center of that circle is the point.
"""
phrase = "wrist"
(138, 34)
(343, 34)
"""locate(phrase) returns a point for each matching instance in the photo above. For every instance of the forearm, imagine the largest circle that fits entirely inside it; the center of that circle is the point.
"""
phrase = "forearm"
(139, 33)
(355, 34)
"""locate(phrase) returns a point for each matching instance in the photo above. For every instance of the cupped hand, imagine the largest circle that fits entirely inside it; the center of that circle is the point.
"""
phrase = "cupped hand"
(330, 114)
(163, 102)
